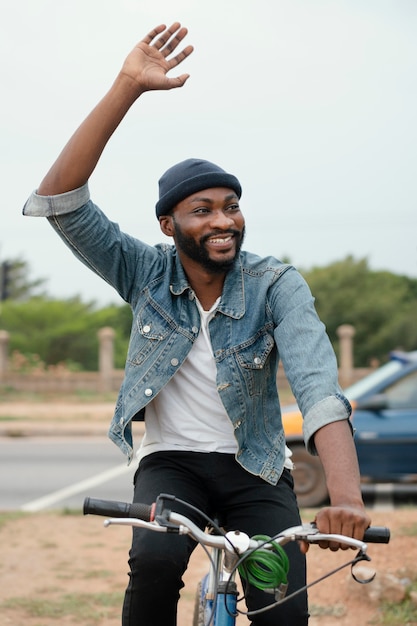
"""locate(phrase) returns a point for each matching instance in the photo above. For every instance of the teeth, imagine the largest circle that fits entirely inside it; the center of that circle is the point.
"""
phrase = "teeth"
(220, 239)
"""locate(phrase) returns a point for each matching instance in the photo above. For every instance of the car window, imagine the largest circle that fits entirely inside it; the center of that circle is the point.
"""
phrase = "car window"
(363, 386)
(403, 393)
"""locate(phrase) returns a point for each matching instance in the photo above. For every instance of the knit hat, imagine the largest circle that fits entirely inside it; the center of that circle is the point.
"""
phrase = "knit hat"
(188, 177)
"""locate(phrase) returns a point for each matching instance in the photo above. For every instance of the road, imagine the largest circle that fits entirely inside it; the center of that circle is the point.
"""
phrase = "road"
(39, 473)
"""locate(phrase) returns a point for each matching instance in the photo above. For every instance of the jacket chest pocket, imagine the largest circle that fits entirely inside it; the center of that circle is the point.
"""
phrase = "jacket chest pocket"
(150, 329)
(253, 361)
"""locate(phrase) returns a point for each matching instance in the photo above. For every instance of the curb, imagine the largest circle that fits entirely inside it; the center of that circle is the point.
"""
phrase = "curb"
(16, 430)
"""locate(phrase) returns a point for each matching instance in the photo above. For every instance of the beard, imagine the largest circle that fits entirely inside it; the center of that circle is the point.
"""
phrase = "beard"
(197, 251)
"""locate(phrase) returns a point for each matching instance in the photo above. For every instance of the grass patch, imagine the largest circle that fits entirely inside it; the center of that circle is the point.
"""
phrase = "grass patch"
(337, 610)
(308, 515)
(89, 609)
(10, 394)
(11, 516)
(404, 614)
(68, 512)
(98, 574)
(408, 531)
(400, 613)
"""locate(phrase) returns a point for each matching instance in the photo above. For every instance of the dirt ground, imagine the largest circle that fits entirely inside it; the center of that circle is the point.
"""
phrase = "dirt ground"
(69, 569)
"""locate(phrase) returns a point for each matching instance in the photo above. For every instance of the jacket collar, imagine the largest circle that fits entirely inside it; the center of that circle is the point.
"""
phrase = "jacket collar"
(232, 302)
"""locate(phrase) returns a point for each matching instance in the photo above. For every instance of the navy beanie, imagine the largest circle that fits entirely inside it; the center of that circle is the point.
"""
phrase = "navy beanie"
(188, 177)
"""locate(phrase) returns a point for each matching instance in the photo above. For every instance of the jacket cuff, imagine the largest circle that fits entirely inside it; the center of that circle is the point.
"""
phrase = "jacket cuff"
(331, 409)
(48, 206)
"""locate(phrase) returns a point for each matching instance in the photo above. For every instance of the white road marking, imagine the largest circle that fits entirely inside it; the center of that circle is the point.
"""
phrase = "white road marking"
(72, 490)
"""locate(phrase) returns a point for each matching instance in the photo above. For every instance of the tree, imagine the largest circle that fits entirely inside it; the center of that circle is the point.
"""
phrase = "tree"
(380, 305)
(5, 281)
(64, 331)
(15, 284)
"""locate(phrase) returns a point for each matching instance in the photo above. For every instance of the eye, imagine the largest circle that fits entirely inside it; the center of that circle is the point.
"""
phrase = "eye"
(201, 210)
(233, 207)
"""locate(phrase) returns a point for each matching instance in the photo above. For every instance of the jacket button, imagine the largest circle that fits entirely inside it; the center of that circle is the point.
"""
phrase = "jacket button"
(146, 328)
(174, 362)
(195, 330)
(257, 360)
(148, 392)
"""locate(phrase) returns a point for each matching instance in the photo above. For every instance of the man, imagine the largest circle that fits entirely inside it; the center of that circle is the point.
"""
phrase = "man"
(210, 323)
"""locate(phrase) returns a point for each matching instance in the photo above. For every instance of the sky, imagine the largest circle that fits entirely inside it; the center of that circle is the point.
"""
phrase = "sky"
(310, 103)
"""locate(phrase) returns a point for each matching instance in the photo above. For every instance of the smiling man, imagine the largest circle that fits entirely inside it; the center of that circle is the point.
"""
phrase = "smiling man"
(210, 325)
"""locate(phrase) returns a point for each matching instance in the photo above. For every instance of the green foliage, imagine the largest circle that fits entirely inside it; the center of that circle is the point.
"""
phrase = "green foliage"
(19, 286)
(399, 613)
(381, 306)
(63, 331)
(84, 608)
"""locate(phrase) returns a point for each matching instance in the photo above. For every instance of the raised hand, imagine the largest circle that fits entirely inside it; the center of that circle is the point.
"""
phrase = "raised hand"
(144, 69)
(148, 62)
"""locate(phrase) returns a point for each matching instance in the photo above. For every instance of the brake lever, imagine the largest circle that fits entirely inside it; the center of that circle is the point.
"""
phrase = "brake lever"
(311, 534)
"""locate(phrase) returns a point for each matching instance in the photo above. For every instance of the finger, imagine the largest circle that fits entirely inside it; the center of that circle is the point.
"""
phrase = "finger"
(177, 81)
(173, 43)
(154, 33)
(180, 57)
(170, 38)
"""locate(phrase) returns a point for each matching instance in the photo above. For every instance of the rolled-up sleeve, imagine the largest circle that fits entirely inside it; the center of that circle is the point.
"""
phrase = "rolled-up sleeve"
(48, 206)
(331, 409)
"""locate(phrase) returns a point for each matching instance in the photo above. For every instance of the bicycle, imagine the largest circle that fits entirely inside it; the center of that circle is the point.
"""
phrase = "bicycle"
(260, 561)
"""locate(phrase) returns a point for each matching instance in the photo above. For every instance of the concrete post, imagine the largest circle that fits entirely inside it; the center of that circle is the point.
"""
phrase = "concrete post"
(106, 357)
(345, 332)
(4, 352)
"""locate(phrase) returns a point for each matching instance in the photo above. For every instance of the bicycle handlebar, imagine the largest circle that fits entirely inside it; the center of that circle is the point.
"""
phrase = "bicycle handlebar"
(149, 513)
(260, 558)
(377, 534)
(112, 508)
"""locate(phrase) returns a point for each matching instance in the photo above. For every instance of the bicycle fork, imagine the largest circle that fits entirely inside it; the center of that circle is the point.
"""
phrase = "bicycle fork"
(218, 594)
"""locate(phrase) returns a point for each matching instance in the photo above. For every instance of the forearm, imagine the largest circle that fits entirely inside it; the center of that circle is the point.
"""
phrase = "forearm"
(337, 452)
(77, 161)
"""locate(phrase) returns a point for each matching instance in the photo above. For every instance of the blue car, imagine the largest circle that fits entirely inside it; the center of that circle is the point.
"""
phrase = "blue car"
(385, 422)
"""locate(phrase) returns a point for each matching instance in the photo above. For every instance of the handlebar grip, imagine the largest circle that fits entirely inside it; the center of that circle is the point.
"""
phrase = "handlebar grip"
(377, 534)
(111, 508)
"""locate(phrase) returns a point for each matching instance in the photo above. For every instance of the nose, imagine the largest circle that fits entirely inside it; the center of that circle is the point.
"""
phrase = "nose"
(220, 220)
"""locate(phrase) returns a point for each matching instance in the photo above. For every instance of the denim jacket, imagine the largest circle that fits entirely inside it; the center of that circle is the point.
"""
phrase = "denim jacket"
(266, 313)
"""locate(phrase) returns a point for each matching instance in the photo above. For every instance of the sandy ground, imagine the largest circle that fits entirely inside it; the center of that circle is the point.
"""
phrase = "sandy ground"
(69, 569)
(75, 568)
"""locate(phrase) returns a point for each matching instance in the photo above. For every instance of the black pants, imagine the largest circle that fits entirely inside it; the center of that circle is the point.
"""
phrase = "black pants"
(212, 482)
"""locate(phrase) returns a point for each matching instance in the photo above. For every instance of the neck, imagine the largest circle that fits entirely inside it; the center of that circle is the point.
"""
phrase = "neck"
(206, 285)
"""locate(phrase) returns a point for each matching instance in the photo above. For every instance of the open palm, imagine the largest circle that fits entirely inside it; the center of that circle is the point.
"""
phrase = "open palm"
(148, 62)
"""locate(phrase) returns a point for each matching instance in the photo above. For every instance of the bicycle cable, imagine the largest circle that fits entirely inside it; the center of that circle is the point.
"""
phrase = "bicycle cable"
(359, 557)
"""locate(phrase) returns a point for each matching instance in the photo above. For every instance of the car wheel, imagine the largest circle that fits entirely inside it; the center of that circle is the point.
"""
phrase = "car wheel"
(309, 480)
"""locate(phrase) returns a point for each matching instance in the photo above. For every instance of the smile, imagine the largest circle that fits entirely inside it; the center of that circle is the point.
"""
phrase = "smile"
(220, 240)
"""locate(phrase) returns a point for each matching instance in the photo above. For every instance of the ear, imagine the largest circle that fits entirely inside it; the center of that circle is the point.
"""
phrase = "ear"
(166, 225)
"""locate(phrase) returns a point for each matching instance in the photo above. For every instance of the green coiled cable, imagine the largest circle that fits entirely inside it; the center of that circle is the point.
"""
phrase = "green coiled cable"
(265, 569)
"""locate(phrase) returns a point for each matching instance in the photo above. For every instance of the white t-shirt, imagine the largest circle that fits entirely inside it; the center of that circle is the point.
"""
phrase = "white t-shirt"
(187, 414)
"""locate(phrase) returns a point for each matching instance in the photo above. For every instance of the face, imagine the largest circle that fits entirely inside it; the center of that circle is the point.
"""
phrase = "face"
(208, 228)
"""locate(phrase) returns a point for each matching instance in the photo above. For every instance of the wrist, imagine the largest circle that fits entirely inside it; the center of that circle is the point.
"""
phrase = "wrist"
(128, 87)
(343, 500)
